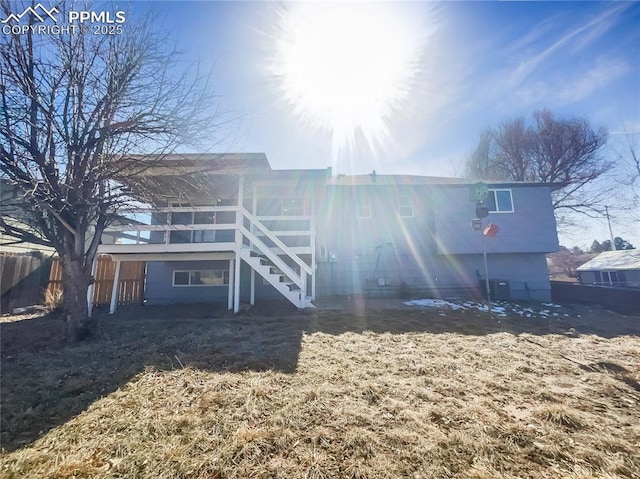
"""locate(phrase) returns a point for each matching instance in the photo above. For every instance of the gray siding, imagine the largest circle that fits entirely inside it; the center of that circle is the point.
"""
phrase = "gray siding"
(342, 232)
(160, 290)
(531, 228)
(448, 276)
(432, 251)
(435, 250)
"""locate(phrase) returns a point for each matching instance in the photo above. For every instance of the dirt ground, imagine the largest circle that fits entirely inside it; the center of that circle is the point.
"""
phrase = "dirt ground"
(356, 391)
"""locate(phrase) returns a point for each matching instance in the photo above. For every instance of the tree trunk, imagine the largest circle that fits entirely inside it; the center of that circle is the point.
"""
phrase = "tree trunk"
(76, 283)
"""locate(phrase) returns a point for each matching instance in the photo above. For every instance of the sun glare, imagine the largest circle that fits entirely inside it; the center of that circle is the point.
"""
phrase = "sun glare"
(347, 68)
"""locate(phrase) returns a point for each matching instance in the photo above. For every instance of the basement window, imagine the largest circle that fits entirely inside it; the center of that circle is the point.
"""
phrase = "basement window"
(206, 277)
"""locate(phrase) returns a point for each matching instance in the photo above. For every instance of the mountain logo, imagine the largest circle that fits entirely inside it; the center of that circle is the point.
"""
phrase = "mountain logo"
(39, 12)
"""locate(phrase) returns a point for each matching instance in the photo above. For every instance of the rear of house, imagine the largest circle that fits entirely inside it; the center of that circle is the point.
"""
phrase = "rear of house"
(387, 234)
(309, 234)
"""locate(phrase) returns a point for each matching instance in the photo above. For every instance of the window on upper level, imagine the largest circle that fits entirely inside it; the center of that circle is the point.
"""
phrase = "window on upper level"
(192, 218)
(405, 206)
(500, 201)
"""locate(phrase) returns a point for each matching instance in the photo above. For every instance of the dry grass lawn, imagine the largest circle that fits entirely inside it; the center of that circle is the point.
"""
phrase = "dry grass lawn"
(421, 393)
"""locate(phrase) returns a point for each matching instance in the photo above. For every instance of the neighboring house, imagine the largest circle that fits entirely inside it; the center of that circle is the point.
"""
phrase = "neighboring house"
(612, 268)
(307, 234)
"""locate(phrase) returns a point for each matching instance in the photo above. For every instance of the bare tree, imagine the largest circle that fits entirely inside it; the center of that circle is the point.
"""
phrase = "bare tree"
(629, 167)
(565, 262)
(73, 110)
(567, 152)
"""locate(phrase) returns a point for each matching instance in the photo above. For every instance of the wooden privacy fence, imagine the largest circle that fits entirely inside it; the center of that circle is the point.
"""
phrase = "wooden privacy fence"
(130, 291)
(622, 300)
(23, 279)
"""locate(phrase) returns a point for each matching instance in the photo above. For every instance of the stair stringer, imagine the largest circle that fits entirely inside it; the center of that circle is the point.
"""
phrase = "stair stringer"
(296, 296)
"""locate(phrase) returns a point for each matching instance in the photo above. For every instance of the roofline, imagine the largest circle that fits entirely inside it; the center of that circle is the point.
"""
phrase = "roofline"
(419, 180)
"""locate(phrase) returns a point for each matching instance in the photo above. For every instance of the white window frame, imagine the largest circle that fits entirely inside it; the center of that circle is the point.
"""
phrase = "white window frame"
(405, 206)
(495, 200)
(225, 276)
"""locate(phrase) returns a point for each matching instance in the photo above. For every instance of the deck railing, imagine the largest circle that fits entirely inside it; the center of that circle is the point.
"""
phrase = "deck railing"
(291, 231)
(281, 239)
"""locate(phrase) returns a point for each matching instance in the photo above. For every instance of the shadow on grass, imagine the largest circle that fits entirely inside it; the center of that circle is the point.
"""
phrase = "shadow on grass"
(46, 382)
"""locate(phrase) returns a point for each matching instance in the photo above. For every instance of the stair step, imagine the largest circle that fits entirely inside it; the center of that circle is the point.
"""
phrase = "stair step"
(280, 281)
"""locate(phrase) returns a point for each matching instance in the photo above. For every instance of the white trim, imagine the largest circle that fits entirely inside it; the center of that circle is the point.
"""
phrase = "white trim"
(401, 206)
(231, 282)
(172, 256)
(181, 209)
(287, 218)
(495, 198)
(173, 278)
(189, 227)
(165, 248)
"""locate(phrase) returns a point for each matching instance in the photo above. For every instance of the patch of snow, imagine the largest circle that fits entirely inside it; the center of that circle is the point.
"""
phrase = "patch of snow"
(433, 303)
(499, 308)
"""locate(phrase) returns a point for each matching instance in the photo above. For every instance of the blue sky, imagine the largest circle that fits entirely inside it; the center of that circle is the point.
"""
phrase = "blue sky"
(476, 65)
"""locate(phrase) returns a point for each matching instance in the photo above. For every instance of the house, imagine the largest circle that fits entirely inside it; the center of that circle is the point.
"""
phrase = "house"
(612, 268)
(255, 232)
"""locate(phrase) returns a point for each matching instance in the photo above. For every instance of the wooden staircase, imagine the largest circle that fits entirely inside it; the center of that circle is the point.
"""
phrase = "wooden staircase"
(276, 278)
(290, 282)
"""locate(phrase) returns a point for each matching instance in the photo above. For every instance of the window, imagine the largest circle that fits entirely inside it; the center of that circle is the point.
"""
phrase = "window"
(204, 218)
(405, 206)
(207, 277)
(363, 206)
(611, 278)
(192, 218)
(499, 201)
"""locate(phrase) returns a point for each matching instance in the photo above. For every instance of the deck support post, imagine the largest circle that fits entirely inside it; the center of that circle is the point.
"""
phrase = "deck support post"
(253, 287)
(312, 241)
(114, 291)
(231, 283)
(239, 223)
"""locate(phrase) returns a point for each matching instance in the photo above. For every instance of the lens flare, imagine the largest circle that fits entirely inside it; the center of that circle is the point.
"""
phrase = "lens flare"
(348, 68)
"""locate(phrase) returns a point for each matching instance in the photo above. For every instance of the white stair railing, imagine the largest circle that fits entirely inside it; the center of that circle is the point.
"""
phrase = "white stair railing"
(267, 232)
(275, 259)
